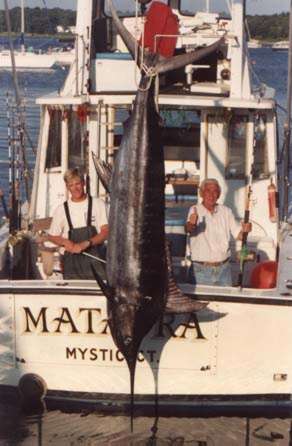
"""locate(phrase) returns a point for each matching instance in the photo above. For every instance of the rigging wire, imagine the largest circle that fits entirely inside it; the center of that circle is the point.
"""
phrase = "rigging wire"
(14, 74)
(16, 142)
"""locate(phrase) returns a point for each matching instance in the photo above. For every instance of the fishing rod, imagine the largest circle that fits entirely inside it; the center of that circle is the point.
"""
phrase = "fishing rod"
(91, 256)
(244, 254)
(4, 205)
(17, 172)
(98, 259)
(24, 165)
(13, 204)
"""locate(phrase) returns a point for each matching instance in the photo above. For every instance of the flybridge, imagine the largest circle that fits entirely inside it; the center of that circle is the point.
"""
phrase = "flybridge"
(100, 51)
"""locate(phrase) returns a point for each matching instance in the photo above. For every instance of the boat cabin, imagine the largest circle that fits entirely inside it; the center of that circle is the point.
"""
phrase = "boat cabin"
(214, 124)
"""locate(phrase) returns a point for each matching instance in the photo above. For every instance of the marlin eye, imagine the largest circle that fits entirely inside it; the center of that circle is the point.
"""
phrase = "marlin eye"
(148, 298)
(127, 340)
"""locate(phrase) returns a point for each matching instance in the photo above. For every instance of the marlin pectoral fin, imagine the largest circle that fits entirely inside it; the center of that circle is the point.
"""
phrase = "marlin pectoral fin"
(182, 304)
(176, 301)
(163, 65)
(103, 170)
(103, 286)
(179, 303)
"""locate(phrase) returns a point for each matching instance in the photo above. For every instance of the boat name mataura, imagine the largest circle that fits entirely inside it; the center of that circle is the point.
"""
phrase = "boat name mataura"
(91, 321)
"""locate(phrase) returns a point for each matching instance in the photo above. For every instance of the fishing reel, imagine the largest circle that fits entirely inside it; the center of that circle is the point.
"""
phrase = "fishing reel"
(15, 238)
(245, 255)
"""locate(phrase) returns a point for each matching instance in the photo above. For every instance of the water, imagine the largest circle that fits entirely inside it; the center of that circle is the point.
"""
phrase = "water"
(60, 428)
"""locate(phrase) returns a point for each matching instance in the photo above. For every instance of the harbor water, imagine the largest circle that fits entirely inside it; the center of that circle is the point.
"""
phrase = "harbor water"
(58, 427)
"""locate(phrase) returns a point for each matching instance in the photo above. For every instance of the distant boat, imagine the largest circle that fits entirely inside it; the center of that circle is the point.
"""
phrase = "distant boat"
(27, 60)
(283, 45)
(62, 57)
(253, 43)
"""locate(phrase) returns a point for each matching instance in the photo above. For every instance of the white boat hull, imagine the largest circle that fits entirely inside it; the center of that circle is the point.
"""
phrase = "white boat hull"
(240, 347)
(27, 61)
(64, 57)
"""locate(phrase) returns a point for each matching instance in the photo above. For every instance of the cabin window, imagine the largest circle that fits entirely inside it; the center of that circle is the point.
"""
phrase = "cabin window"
(179, 118)
(76, 155)
(237, 135)
(181, 134)
(129, 10)
(190, 8)
(54, 140)
(260, 151)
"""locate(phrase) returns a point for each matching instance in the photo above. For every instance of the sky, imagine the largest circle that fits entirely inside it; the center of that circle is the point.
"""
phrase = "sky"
(253, 6)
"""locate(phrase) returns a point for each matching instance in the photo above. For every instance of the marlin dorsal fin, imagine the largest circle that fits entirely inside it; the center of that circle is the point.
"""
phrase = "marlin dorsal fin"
(103, 170)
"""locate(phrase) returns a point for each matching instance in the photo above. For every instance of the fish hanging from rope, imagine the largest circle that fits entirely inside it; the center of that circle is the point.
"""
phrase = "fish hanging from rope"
(140, 285)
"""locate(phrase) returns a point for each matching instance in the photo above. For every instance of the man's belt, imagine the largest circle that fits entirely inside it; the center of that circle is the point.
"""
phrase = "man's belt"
(212, 263)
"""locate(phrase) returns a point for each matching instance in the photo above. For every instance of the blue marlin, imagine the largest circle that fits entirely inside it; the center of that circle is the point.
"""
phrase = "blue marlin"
(140, 285)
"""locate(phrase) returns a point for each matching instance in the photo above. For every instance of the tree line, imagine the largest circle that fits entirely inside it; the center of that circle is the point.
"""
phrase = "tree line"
(269, 27)
(45, 21)
(38, 20)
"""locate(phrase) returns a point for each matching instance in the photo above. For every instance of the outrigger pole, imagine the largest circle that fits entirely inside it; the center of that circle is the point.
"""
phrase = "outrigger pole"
(287, 125)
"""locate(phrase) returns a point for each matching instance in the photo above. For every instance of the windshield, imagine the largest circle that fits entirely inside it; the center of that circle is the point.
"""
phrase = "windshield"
(189, 7)
(126, 8)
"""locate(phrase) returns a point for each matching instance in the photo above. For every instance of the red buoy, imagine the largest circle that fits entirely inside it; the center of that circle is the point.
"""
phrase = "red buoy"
(264, 275)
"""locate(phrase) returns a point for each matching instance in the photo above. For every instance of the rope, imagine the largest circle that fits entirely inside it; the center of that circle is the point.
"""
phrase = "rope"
(136, 43)
(150, 72)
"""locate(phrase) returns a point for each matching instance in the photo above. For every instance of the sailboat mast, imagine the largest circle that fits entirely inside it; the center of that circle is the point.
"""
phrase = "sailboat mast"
(22, 26)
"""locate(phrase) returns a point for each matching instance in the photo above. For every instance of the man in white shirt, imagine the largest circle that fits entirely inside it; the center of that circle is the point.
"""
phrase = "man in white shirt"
(79, 225)
(211, 226)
